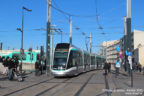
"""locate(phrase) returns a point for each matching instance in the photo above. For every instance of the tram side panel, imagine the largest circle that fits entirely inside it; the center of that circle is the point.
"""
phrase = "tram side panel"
(92, 63)
(87, 62)
(75, 62)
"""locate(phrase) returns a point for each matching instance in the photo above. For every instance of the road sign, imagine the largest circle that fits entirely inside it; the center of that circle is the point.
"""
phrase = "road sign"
(129, 54)
(118, 64)
(117, 48)
(126, 52)
(120, 54)
(129, 57)
(130, 61)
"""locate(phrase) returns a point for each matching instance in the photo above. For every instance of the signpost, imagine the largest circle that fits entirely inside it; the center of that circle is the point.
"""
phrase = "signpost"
(117, 48)
(21, 54)
(118, 64)
(130, 62)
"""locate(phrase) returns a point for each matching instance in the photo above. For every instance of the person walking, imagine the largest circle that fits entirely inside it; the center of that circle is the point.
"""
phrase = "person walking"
(37, 67)
(143, 69)
(109, 67)
(1, 59)
(5, 72)
(106, 68)
(117, 66)
(11, 67)
(139, 67)
(16, 63)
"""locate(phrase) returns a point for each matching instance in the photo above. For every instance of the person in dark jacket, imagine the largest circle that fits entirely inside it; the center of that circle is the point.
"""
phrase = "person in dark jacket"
(37, 67)
(16, 63)
(12, 69)
(0, 59)
(139, 67)
(106, 66)
(109, 67)
(5, 72)
(11, 63)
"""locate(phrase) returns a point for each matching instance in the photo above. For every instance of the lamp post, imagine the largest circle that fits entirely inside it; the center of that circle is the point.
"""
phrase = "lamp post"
(21, 30)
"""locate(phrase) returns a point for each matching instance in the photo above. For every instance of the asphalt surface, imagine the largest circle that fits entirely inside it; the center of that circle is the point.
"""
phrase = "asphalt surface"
(92, 83)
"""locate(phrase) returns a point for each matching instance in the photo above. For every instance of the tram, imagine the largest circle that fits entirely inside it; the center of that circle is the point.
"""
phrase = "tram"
(69, 60)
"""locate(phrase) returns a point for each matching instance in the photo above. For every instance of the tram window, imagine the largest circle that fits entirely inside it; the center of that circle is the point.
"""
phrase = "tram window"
(60, 61)
(85, 59)
(70, 62)
(74, 58)
(88, 59)
(31, 57)
(81, 62)
(74, 61)
(61, 54)
(93, 60)
(16, 56)
(80, 58)
(19, 56)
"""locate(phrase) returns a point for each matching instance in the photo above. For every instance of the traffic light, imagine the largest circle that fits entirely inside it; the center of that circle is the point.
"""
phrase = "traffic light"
(120, 54)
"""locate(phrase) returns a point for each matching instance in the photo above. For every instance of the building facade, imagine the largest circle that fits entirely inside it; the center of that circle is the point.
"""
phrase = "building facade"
(137, 39)
(112, 53)
(108, 50)
(139, 55)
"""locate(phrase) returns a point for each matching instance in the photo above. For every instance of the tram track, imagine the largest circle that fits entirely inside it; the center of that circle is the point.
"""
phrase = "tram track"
(38, 83)
(83, 86)
(59, 83)
(80, 90)
(107, 86)
(8, 94)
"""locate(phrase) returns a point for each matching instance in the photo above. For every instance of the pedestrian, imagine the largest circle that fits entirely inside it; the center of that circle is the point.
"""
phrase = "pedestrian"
(44, 64)
(37, 67)
(11, 67)
(139, 67)
(117, 66)
(109, 67)
(1, 59)
(143, 70)
(106, 68)
(5, 72)
(40, 67)
(16, 63)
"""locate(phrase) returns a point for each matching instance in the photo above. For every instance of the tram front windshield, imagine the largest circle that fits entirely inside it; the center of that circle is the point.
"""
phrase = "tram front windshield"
(60, 59)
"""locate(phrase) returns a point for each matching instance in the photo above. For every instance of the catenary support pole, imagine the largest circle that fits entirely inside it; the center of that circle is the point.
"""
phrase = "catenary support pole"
(70, 30)
(48, 36)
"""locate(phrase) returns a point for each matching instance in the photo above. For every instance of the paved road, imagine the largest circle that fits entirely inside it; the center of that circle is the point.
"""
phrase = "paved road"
(87, 84)
(92, 83)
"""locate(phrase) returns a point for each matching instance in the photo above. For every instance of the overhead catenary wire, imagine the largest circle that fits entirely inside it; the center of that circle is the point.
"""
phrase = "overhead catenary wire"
(69, 14)
(65, 14)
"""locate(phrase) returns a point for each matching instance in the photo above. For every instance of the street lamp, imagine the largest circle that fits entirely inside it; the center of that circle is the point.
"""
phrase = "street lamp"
(21, 30)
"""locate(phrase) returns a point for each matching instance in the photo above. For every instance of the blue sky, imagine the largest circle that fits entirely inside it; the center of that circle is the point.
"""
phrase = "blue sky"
(110, 14)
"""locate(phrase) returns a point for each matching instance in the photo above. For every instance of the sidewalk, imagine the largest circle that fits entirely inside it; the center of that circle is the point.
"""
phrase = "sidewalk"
(123, 84)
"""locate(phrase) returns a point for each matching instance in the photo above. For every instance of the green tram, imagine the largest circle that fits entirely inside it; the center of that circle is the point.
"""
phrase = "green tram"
(69, 60)
(27, 57)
